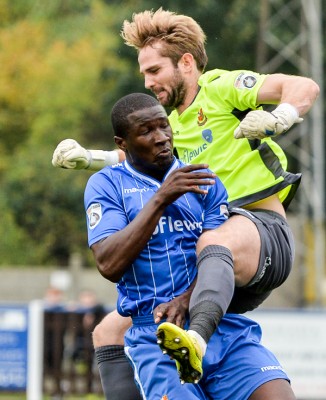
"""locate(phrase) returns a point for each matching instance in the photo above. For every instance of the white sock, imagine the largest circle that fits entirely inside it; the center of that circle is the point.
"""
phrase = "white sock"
(200, 340)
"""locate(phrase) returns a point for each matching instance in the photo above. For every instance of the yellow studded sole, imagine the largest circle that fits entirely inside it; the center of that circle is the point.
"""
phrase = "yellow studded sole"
(176, 342)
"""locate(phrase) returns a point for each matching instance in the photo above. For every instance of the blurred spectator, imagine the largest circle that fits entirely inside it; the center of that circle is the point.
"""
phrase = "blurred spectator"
(55, 321)
(68, 347)
(92, 311)
(53, 299)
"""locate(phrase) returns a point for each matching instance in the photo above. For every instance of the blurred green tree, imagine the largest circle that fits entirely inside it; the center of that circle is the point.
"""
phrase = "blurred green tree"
(59, 76)
(63, 65)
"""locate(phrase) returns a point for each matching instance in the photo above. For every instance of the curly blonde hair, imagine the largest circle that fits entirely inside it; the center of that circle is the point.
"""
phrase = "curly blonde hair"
(179, 33)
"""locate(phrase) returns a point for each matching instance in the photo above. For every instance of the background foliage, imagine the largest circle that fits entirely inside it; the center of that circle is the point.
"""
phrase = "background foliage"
(63, 65)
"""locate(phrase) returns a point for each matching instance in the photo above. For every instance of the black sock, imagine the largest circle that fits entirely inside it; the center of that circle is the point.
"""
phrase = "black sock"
(213, 291)
(117, 376)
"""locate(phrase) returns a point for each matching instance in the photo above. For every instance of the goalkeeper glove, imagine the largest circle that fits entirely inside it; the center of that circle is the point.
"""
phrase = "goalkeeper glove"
(259, 124)
(70, 154)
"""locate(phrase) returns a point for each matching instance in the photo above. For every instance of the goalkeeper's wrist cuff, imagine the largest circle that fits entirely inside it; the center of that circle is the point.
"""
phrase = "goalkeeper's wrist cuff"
(99, 159)
(286, 116)
(289, 109)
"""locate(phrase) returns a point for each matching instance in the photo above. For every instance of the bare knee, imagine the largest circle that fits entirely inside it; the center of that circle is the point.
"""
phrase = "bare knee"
(241, 237)
(111, 330)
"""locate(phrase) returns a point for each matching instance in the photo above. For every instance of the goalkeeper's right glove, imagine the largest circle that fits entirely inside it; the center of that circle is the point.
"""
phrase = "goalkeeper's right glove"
(259, 124)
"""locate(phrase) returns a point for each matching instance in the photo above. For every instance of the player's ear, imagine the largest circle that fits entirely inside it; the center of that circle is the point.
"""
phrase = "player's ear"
(120, 142)
(187, 61)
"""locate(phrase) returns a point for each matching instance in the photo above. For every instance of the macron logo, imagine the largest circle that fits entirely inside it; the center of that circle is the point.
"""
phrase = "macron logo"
(167, 224)
(271, 367)
(134, 190)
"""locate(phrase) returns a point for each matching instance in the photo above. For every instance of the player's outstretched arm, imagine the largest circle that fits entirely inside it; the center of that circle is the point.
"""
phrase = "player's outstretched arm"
(69, 154)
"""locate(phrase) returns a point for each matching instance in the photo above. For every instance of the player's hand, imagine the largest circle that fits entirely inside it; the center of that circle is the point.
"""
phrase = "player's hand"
(259, 124)
(191, 178)
(176, 310)
(70, 154)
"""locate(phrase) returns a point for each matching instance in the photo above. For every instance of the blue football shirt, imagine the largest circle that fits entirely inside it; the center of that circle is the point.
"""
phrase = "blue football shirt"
(167, 265)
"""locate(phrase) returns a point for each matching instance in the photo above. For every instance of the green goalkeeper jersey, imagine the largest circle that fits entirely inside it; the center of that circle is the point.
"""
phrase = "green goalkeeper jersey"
(251, 170)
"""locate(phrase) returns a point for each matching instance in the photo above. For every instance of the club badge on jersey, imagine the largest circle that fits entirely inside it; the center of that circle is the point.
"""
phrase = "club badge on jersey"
(94, 214)
(245, 81)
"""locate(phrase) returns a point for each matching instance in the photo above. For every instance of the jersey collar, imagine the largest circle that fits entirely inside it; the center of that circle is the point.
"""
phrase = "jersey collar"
(153, 181)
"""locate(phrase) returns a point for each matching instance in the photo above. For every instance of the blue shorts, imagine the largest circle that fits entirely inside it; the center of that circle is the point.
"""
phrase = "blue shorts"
(235, 364)
(155, 374)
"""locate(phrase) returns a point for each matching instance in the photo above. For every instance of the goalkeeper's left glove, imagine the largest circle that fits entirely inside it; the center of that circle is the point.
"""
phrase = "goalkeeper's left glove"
(259, 124)
(70, 154)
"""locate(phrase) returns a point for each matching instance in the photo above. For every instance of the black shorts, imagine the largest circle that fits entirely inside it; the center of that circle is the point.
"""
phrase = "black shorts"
(275, 261)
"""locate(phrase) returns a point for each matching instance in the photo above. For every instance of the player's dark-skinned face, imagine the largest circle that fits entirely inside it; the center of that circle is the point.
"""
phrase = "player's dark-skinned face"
(149, 147)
